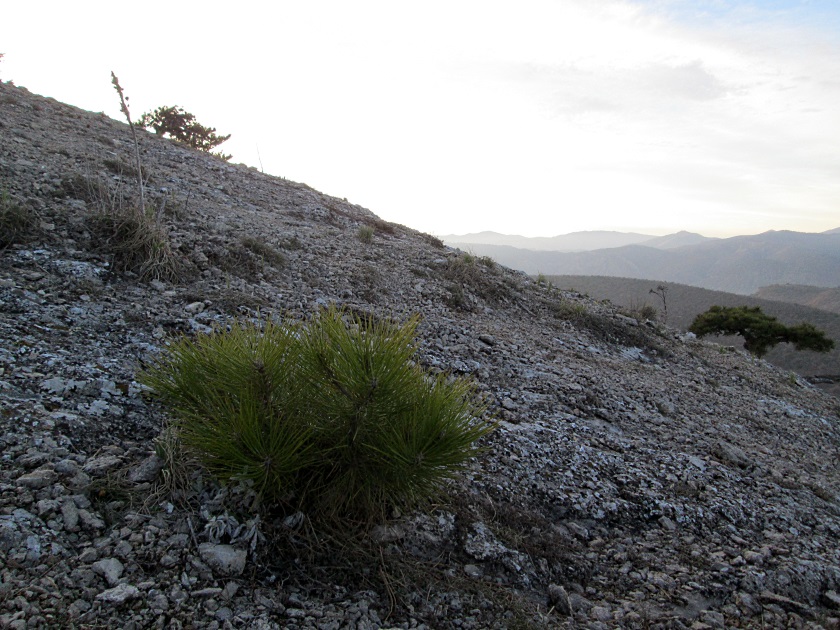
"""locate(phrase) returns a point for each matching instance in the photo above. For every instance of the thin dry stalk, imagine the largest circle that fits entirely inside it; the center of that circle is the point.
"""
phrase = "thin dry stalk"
(124, 108)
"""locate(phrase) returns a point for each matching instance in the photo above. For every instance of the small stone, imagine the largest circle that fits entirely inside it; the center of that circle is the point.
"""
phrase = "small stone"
(382, 534)
(159, 602)
(109, 568)
(580, 603)
(194, 307)
(40, 478)
(731, 454)
(67, 467)
(784, 602)
(473, 571)
(601, 613)
(697, 462)
(70, 514)
(88, 555)
(559, 599)
(119, 594)
(31, 460)
(90, 521)
(223, 559)
(832, 599)
(147, 470)
(713, 619)
(101, 464)
(168, 560)
(123, 549)
(578, 530)
(667, 524)
(78, 607)
(230, 590)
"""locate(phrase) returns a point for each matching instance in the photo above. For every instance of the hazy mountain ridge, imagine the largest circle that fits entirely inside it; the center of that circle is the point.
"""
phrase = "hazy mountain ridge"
(741, 264)
(573, 242)
(816, 297)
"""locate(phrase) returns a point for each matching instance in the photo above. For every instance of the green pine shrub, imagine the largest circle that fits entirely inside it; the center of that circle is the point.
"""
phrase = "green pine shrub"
(332, 418)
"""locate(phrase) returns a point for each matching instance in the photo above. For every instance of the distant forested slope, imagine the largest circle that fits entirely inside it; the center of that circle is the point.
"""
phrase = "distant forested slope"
(815, 297)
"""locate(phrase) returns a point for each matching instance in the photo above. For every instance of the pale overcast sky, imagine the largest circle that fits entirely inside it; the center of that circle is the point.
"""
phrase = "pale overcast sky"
(532, 117)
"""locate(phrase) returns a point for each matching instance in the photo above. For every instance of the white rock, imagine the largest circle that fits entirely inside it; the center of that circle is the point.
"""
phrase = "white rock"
(223, 559)
(119, 594)
(109, 568)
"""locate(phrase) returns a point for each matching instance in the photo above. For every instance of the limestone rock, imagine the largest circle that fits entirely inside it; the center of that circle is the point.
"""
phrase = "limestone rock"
(224, 559)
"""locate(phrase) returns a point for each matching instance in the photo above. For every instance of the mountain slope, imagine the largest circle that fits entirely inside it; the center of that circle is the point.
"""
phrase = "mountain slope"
(815, 297)
(636, 478)
(678, 239)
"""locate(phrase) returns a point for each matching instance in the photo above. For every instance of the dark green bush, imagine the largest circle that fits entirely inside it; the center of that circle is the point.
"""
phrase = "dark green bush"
(330, 417)
(760, 331)
(176, 123)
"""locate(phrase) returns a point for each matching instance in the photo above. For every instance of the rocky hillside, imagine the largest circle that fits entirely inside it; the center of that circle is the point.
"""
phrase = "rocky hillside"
(637, 479)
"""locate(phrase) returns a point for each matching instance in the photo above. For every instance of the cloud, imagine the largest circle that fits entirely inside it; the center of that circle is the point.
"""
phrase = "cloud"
(690, 81)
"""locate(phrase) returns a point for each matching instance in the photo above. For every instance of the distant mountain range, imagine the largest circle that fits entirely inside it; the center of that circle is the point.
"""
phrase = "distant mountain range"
(740, 264)
(576, 241)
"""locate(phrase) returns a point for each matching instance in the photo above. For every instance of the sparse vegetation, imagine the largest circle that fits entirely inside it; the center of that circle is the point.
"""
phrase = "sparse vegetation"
(131, 233)
(17, 222)
(661, 291)
(138, 243)
(543, 280)
(569, 310)
(176, 123)
(365, 234)
(642, 311)
(265, 251)
(760, 332)
(332, 417)
(434, 241)
(124, 109)
(469, 275)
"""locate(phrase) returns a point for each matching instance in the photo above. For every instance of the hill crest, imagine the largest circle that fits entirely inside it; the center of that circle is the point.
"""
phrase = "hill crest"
(637, 476)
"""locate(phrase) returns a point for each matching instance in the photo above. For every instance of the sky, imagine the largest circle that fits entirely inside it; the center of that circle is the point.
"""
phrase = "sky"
(530, 117)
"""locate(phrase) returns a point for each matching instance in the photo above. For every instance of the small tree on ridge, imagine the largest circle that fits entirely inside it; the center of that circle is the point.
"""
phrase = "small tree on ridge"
(177, 123)
(760, 331)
